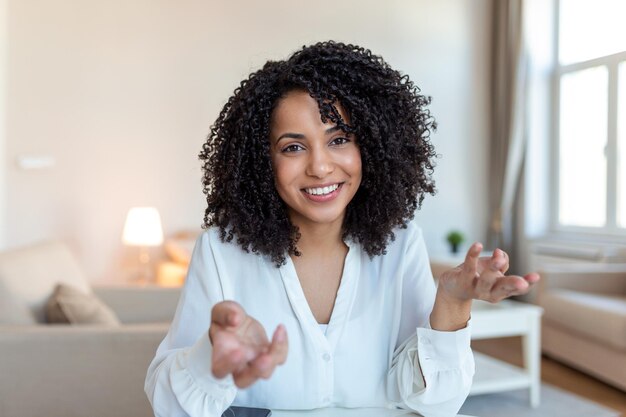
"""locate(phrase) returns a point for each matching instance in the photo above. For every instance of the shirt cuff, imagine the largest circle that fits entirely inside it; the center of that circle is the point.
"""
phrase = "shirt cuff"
(440, 350)
(199, 366)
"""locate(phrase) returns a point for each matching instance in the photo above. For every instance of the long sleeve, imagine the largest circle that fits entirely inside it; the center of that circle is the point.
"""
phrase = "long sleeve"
(179, 380)
(431, 371)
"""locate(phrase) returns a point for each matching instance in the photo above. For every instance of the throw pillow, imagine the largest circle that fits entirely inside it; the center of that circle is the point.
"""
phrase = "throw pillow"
(71, 305)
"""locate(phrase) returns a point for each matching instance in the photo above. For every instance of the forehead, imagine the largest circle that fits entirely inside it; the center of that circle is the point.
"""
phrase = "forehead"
(297, 109)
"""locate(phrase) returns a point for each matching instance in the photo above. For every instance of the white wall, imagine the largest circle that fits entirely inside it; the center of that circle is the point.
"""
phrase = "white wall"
(122, 94)
(3, 130)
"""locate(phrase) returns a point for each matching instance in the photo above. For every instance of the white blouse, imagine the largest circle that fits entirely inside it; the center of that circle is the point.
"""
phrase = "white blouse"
(377, 351)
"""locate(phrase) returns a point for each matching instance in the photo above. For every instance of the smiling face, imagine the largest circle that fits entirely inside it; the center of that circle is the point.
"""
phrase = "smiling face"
(317, 166)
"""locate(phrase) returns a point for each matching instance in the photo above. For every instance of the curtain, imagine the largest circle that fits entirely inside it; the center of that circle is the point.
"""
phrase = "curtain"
(507, 126)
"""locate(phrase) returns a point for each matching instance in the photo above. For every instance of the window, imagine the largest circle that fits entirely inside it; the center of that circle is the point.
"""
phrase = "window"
(590, 117)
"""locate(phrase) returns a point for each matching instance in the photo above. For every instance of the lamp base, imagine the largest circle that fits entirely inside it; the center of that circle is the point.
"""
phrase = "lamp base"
(144, 275)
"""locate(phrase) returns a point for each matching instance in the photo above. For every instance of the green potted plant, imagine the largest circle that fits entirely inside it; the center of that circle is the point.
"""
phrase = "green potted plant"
(455, 238)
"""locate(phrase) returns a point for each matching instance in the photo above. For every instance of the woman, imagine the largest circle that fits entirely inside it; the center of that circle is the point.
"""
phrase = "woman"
(312, 172)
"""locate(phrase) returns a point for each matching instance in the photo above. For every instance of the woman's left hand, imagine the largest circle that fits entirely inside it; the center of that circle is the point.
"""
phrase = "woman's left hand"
(483, 278)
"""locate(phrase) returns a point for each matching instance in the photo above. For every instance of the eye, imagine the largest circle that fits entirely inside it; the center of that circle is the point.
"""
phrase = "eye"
(294, 147)
(341, 140)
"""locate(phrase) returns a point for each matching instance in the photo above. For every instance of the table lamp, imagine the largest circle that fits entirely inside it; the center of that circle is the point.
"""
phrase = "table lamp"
(143, 229)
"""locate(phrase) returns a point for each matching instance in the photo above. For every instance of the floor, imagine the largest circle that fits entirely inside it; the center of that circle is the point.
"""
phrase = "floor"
(555, 373)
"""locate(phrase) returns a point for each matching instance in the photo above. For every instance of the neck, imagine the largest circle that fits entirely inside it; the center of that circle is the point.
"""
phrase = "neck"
(320, 238)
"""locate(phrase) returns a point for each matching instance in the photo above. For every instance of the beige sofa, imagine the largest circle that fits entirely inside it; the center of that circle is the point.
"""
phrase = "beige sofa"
(74, 370)
(584, 320)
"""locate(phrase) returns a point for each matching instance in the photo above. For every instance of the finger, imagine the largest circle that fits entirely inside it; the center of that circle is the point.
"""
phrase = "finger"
(227, 314)
(264, 365)
(506, 261)
(276, 354)
(230, 354)
(226, 361)
(470, 266)
(245, 378)
(280, 345)
(484, 283)
(509, 286)
(532, 278)
(493, 262)
(251, 373)
(498, 260)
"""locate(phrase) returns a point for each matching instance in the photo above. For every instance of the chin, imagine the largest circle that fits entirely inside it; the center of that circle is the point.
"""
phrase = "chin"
(318, 218)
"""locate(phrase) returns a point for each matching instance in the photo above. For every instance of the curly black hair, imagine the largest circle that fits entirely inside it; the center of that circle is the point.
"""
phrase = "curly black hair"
(386, 113)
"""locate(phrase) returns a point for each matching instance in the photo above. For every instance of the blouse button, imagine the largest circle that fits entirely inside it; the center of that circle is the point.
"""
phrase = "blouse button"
(326, 357)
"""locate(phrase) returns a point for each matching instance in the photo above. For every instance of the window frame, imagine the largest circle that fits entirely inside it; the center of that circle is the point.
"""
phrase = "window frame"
(612, 63)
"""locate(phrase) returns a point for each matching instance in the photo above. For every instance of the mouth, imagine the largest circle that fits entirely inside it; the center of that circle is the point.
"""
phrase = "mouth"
(322, 191)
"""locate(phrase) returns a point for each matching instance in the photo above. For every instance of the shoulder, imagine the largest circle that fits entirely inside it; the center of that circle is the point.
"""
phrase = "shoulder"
(211, 240)
(406, 237)
(412, 230)
(408, 250)
(211, 243)
(210, 237)
(217, 265)
(406, 247)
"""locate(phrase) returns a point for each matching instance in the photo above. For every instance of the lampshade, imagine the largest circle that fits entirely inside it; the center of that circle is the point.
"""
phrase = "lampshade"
(143, 227)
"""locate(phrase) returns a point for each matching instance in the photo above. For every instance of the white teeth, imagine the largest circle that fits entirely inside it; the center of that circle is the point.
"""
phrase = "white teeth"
(322, 190)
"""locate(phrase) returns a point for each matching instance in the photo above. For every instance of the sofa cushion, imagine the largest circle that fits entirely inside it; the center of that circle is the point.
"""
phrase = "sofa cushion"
(15, 313)
(597, 316)
(29, 275)
(71, 305)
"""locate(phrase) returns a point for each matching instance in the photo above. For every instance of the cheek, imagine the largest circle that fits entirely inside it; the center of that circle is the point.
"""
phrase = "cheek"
(283, 173)
(279, 181)
(354, 164)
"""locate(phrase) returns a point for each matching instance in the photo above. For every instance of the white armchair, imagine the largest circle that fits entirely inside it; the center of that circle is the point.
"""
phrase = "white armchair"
(584, 320)
(65, 370)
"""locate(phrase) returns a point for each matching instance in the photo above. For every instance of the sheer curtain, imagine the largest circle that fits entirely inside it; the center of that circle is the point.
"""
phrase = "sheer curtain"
(508, 120)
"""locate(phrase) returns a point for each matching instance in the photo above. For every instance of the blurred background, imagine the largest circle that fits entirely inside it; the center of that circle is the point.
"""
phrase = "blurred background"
(106, 105)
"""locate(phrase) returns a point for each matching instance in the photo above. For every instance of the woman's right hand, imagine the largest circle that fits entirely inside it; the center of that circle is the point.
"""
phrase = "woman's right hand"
(241, 347)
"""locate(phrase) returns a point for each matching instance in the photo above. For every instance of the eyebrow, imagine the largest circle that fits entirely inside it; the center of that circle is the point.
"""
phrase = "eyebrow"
(301, 136)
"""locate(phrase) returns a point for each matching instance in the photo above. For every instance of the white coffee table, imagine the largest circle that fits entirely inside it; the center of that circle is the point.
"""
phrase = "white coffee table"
(508, 318)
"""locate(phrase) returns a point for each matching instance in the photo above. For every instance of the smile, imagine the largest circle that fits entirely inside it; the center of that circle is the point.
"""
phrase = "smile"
(322, 190)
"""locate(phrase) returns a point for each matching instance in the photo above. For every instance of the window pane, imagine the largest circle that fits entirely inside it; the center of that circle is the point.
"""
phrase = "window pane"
(621, 147)
(589, 29)
(582, 142)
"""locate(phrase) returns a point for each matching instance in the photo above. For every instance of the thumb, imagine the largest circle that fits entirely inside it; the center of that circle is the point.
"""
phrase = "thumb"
(227, 314)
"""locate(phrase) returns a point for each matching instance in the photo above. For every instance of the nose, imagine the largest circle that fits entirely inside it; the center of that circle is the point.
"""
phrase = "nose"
(320, 163)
